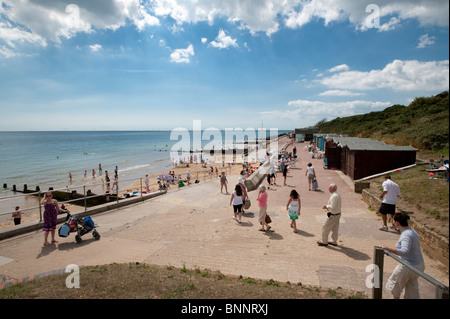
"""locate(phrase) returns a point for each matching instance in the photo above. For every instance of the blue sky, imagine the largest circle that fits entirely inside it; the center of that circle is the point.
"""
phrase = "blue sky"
(161, 64)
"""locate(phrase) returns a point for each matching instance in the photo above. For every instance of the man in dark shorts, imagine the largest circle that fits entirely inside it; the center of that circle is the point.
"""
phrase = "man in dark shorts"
(390, 194)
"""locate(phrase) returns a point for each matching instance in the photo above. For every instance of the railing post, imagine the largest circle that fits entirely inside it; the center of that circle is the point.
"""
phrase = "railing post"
(84, 193)
(378, 260)
(441, 293)
(40, 207)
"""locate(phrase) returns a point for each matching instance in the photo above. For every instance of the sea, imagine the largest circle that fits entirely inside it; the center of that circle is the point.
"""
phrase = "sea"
(45, 159)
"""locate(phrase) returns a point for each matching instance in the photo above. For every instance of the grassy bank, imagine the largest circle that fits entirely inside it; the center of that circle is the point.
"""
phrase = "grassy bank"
(142, 281)
(424, 124)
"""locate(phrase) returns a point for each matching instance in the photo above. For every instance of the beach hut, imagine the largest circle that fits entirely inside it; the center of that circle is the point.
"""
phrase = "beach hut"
(362, 157)
(305, 134)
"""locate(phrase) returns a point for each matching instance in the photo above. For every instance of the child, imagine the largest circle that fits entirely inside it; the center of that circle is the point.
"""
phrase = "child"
(293, 207)
(17, 215)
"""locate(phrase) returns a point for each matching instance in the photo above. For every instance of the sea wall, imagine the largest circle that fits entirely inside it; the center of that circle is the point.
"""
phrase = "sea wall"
(254, 180)
(37, 225)
(434, 244)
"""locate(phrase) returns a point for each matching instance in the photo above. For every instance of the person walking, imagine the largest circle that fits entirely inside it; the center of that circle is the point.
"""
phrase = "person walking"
(241, 182)
(237, 199)
(147, 182)
(293, 207)
(311, 173)
(390, 194)
(408, 249)
(223, 182)
(108, 182)
(188, 177)
(52, 208)
(333, 218)
(262, 203)
(285, 171)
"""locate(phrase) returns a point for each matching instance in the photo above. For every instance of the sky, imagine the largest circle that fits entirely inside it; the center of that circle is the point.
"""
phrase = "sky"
(163, 64)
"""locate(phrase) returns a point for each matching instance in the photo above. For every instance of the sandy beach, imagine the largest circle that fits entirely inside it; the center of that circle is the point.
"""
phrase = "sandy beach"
(198, 171)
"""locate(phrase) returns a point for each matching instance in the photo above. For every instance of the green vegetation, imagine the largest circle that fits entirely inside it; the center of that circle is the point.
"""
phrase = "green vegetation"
(424, 124)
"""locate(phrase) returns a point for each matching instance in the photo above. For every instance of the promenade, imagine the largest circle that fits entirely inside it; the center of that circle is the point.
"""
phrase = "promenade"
(193, 227)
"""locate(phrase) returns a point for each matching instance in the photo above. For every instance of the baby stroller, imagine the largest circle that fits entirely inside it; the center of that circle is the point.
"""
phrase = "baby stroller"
(79, 225)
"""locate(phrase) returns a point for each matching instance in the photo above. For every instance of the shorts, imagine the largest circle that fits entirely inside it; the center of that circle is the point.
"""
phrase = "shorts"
(386, 209)
(237, 208)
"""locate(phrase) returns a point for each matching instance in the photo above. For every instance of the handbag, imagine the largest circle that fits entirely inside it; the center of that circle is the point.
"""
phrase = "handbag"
(268, 220)
(247, 204)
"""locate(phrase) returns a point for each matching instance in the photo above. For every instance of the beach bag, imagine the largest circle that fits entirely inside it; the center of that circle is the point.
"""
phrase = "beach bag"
(247, 204)
(315, 185)
(268, 219)
(72, 223)
(89, 222)
(64, 230)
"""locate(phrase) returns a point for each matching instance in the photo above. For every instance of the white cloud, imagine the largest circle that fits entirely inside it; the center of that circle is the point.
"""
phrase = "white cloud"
(204, 40)
(37, 22)
(313, 111)
(398, 76)
(183, 55)
(425, 40)
(224, 41)
(253, 15)
(391, 25)
(428, 12)
(95, 47)
(340, 93)
(14, 35)
(339, 68)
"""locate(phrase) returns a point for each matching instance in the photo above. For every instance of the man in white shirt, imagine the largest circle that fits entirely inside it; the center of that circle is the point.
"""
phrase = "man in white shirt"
(334, 215)
(391, 192)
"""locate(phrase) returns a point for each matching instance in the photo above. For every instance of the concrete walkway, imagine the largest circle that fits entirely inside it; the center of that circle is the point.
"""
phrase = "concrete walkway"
(193, 227)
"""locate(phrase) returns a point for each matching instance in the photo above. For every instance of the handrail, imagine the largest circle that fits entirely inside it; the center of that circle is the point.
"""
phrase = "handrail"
(67, 189)
(441, 289)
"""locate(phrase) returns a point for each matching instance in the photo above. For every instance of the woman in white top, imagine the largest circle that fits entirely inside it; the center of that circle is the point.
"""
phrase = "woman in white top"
(311, 173)
(293, 207)
(237, 199)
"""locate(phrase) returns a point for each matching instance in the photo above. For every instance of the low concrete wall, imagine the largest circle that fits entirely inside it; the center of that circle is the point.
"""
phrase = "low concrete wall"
(254, 180)
(37, 225)
(436, 245)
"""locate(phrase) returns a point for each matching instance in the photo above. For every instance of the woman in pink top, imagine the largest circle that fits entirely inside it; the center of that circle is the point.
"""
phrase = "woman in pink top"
(262, 200)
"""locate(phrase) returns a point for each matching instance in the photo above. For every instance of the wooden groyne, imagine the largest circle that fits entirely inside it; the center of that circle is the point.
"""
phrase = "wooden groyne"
(73, 196)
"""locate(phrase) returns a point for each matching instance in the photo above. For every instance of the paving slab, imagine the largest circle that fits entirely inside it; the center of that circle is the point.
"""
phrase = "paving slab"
(193, 227)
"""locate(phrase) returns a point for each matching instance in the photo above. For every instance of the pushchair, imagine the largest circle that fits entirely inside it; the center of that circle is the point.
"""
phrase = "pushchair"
(79, 225)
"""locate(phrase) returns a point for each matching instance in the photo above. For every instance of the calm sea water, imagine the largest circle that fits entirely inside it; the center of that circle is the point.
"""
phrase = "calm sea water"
(45, 159)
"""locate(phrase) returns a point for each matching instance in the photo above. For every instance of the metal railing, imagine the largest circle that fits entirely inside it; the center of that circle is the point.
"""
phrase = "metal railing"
(377, 290)
(99, 190)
